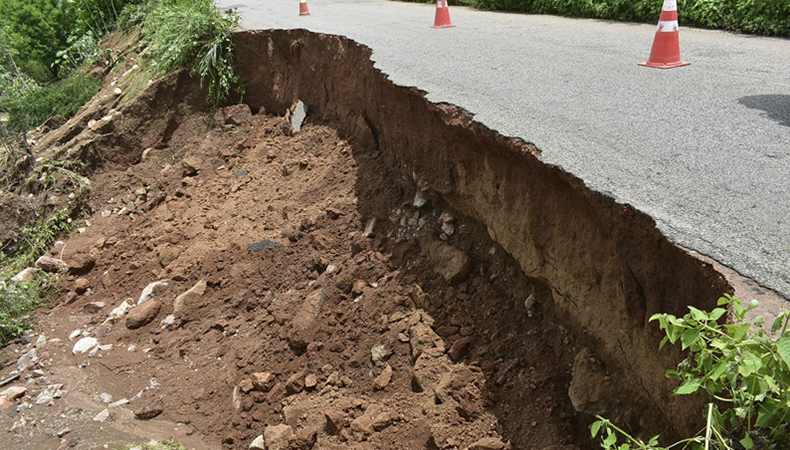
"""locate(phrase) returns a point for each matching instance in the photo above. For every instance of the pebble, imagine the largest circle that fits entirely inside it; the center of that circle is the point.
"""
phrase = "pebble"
(85, 345)
(383, 380)
(102, 416)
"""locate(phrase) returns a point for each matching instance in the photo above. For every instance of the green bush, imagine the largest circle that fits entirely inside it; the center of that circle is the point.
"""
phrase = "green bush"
(19, 299)
(766, 17)
(193, 34)
(743, 368)
(30, 109)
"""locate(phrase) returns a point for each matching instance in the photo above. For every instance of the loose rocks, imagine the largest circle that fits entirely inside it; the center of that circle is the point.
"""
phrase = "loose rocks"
(141, 315)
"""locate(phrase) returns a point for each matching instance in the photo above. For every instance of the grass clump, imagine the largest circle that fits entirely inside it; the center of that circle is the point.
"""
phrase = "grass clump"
(195, 35)
(32, 242)
(742, 367)
(17, 300)
(30, 108)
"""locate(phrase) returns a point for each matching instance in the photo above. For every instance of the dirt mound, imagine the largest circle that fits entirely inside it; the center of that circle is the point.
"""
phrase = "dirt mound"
(244, 281)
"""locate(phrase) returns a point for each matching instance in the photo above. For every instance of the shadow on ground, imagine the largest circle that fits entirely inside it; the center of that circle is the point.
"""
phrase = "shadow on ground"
(776, 107)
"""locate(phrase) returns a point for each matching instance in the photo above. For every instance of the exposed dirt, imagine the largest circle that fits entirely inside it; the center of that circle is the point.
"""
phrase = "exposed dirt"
(359, 284)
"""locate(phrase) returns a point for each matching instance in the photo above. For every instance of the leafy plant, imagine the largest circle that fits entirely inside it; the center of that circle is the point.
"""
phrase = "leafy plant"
(740, 365)
(17, 300)
(32, 242)
(196, 36)
(743, 368)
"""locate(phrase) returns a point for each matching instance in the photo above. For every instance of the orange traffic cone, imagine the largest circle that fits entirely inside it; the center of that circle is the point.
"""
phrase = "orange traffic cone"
(303, 11)
(666, 45)
(442, 15)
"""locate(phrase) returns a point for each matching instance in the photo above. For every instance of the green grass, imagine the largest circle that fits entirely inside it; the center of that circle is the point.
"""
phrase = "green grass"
(17, 300)
(65, 97)
(195, 35)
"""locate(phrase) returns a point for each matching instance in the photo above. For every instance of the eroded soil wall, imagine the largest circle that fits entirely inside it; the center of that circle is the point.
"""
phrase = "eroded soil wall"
(608, 266)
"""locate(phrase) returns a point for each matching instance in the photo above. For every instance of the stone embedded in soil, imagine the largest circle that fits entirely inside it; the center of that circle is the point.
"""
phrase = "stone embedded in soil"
(362, 426)
(150, 290)
(451, 263)
(150, 410)
(263, 381)
(383, 380)
(80, 264)
(298, 113)
(81, 285)
(258, 443)
(335, 420)
(26, 360)
(264, 244)
(422, 339)
(310, 381)
(233, 115)
(93, 307)
(195, 291)
(50, 264)
(488, 443)
(27, 274)
(295, 383)
(301, 328)
(85, 345)
(460, 348)
(102, 416)
(277, 437)
(246, 385)
(142, 315)
(15, 392)
(590, 386)
(118, 312)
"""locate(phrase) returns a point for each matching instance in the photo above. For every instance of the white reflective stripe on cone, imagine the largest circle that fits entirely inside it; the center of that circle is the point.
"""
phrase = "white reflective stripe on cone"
(668, 27)
(670, 5)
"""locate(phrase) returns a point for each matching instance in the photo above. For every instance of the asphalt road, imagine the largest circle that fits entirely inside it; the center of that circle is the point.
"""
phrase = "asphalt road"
(703, 149)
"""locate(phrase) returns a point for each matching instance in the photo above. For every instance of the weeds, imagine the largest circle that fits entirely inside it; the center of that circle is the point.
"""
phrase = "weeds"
(18, 299)
(32, 242)
(196, 36)
(741, 366)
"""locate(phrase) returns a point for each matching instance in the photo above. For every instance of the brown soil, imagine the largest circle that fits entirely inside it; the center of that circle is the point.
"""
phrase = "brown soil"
(312, 193)
(373, 264)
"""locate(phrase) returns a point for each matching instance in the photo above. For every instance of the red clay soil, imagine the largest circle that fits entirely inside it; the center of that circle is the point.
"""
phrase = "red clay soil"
(422, 334)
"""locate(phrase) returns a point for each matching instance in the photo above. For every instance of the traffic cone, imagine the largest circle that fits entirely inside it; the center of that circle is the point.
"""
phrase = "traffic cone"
(442, 15)
(303, 11)
(666, 45)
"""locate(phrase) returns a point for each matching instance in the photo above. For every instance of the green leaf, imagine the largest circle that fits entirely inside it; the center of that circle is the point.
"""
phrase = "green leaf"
(747, 442)
(737, 332)
(698, 315)
(610, 440)
(689, 337)
(767, 414)
(688, 387)
(783, 348)
(717, 313)
(596, 426)
(778, 322)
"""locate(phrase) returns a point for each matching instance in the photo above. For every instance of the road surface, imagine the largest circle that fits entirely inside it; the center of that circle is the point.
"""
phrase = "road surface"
(703, 149)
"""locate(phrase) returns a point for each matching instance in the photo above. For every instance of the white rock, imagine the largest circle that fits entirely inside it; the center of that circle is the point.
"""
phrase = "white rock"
(74, 334)
(85, 345)
(105, 397)
(148, 292)
(117, 91)
(120, 402)
(118, 312)
(258, 444)
(41, 341)
(102, 416)
(15, 392)
(26, 360)
(419, 200)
